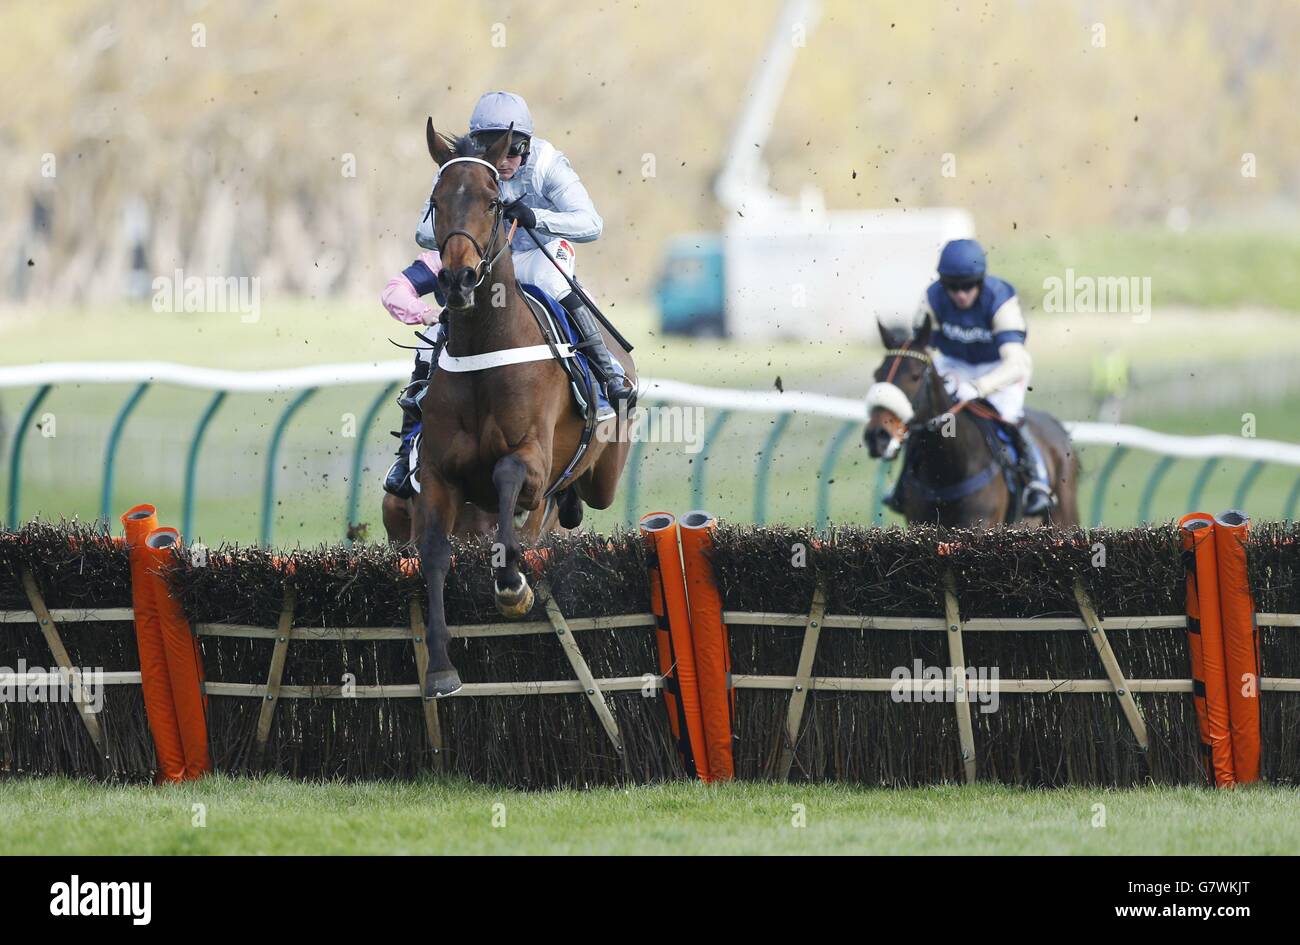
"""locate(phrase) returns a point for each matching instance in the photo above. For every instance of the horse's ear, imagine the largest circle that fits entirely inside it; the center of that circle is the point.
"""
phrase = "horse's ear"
(501, 148)
(891, 338)
(439, 150)
(921, 338)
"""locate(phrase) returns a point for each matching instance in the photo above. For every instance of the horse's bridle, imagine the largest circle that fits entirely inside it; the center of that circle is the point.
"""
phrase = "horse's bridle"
(898, 354)
(486, 257)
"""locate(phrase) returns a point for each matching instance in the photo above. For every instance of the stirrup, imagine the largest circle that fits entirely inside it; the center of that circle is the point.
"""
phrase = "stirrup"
(619, 389)
(410, 398)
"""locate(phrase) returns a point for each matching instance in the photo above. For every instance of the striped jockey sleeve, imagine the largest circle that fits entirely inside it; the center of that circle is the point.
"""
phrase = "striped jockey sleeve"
(1009, 323)
(423, 276)
(423, 279)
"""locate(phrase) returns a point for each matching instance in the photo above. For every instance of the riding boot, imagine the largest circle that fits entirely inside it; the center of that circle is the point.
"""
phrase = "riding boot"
(606, 368)
(397, 480)
(412, 396)
(1037, 498)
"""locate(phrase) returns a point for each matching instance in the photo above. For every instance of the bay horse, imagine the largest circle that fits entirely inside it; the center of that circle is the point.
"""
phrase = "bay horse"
(955, 477)
(499, 439)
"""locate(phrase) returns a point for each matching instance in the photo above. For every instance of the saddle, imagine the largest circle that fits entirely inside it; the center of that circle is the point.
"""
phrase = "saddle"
(1007, 461)
(557, 327)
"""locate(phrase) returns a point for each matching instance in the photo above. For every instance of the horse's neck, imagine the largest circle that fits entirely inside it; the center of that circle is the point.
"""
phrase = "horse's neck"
(489, 327)
(949, 459)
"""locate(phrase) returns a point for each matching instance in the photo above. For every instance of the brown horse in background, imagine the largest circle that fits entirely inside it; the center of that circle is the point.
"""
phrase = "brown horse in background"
(495, 441)
(951, 450)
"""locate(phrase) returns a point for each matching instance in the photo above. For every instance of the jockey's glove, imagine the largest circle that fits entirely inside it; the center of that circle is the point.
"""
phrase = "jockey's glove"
(517, 213)
(966, 391)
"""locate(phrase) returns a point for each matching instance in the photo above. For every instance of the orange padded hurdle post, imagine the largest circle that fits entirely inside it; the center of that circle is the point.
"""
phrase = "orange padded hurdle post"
(710, 643)
(673, 635)
(1204, 628)
(155, 681)
(1240, 642)
(184, 662)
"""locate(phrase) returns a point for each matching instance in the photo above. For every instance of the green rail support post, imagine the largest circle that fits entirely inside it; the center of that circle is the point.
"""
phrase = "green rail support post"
(697, 474)
(16, 455)
(192, 463)
(1103, 481)
(828, 468)
(268, 493)
(110, 451)
(1248, 480)
(1149, 490)
(1202, 479)
(1291, 502)
(765, 467)
(878, 494)
(354, 487)
(633, 484)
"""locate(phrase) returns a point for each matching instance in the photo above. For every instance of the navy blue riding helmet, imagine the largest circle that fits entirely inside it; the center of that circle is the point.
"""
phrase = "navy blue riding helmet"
(962, 264)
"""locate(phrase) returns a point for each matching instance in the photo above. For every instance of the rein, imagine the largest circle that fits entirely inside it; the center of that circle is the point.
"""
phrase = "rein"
(932, 424)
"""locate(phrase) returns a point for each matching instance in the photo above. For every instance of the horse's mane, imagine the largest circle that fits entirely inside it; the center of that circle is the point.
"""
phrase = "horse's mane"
(463, 145)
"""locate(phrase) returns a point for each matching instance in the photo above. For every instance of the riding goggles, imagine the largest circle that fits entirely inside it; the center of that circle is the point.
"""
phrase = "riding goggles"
(518, 144)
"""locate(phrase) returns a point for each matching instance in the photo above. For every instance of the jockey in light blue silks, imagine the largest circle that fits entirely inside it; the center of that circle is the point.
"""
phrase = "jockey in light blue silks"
(542, 192)
(979, 331)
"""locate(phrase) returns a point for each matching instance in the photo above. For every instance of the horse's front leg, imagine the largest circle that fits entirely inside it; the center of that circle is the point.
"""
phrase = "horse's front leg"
(438, 505)
(512, 477)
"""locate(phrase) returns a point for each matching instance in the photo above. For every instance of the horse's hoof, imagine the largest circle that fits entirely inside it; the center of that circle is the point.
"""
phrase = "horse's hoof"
(437, 685)
(515, 603)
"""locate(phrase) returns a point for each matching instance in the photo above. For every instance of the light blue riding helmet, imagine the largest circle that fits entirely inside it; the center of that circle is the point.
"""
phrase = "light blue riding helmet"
(497, 111)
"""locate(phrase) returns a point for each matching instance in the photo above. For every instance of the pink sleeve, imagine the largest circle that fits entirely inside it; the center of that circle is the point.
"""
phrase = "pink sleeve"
(401, 299)
(402, 303)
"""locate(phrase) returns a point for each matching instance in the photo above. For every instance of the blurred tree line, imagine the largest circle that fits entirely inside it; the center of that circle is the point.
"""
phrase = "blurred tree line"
(285, 140)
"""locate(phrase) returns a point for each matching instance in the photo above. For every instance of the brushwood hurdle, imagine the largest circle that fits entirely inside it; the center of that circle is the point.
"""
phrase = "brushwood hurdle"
(684, 648)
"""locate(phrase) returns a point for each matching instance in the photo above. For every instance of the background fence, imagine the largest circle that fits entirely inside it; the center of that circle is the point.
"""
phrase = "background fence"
(744, 452)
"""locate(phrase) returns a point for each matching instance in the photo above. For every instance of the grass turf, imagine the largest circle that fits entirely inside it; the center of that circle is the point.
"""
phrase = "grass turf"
(262, 816)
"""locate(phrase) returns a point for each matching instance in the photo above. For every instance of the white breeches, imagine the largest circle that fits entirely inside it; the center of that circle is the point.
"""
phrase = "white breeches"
(1010, 401)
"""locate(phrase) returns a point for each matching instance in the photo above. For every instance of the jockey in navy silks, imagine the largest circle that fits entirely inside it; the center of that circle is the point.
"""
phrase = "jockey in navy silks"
(979, 331)
(541, 192)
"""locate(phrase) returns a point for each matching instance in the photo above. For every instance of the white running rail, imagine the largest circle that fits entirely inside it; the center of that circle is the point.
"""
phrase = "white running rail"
(657, 390)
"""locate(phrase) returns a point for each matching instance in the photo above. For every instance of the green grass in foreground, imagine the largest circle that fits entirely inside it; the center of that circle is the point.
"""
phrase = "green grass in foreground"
(279, 816)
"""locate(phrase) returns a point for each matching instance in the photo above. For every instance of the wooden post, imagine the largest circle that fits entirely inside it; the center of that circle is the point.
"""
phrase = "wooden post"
(799, 694)
(431, 723)
(50, 630)
(284, 630)
(960, 693)
(580, 668)
(1116, 676)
